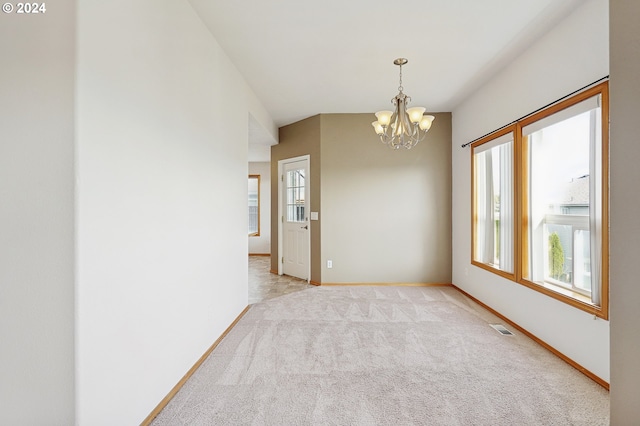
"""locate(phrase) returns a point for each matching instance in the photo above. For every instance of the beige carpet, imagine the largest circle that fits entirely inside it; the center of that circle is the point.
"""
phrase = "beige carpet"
(381, 356)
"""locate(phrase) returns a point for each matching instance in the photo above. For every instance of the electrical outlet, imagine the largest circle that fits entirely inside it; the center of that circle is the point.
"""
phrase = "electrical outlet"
(329, 264)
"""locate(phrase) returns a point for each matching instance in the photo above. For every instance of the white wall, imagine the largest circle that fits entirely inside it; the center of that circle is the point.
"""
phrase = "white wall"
(161, 202)
(268, 131)
(262, 243)
(571, 55)
(36, 217)
(625, 228)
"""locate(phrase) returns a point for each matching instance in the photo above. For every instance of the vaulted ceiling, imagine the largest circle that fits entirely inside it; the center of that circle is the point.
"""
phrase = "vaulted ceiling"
(302, 58)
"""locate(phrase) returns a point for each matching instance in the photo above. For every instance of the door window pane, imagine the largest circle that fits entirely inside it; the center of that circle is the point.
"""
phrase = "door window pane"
(295, 180)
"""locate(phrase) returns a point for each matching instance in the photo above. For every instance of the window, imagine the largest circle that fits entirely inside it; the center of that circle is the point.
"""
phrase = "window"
(563, 151)
(493, 207)
(295, 195)
(559, 244)
(254, 205)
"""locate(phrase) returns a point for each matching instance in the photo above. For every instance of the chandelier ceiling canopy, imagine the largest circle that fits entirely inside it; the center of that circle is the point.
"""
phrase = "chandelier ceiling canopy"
(404, 127)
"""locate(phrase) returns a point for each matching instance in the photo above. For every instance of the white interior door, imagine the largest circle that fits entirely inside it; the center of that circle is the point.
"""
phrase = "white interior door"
(295, 218)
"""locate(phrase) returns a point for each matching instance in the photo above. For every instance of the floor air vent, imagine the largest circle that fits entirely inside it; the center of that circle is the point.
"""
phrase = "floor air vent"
(501, 329)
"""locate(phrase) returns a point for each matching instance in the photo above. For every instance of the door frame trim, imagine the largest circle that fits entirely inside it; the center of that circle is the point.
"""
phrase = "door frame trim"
(281, 164)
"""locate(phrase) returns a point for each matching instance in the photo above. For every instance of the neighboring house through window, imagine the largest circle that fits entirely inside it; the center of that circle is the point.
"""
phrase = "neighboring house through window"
(546, 225)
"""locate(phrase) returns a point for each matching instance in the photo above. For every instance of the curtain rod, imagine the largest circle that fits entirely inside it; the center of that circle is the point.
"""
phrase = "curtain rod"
(538, 110)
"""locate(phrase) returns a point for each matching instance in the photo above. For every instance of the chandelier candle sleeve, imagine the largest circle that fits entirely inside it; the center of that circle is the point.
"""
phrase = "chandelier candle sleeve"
(408, 126)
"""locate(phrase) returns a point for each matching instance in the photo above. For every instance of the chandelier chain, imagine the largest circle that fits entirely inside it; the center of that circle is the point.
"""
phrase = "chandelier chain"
(400, 88)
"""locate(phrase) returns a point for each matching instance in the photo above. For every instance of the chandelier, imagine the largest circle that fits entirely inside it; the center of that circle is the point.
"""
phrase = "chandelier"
(402, 128)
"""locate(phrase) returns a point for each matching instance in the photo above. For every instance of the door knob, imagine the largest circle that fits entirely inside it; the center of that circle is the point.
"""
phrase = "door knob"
(304, 227)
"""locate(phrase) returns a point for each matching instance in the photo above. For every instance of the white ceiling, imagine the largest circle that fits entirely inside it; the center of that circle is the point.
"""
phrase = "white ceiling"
(302, 58)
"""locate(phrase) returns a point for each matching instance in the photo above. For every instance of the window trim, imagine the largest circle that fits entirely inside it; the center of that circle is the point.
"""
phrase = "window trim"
(520, 183)
(474, 214)
(256, 234)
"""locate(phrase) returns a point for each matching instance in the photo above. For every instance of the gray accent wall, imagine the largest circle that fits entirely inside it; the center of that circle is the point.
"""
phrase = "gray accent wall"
(625, 211)
(297, 139)
(384, 215)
